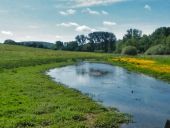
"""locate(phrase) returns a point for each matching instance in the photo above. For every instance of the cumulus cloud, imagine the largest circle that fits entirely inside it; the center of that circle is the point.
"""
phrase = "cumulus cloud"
(84, 28)
(147, 7)
(77, 27)
(88, 3)
(104, 12)
(68, 12)
(109, 23)
(8, 33)
(92, 12)
(69, 24)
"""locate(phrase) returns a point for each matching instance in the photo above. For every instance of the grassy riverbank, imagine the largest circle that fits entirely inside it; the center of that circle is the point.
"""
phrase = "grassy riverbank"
(29, 98)
(156, 66)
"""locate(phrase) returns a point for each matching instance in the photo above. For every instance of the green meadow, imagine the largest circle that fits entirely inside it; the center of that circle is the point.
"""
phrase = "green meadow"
(29, 98)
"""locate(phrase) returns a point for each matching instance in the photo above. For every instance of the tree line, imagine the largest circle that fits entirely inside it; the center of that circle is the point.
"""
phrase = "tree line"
(133, 42)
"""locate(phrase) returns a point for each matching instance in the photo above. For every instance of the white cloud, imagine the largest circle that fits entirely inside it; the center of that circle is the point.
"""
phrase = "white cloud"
(9, 33)
(104, 12)
(109, 23)
(58, 37)
(88, 3)
(68, 12)
(69, 24)
(147, 7)
(84, 28)
(92, 12)
(77, 27)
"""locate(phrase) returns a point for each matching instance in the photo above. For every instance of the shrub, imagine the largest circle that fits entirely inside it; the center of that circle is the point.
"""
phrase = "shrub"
(129, 50)
(159, 49)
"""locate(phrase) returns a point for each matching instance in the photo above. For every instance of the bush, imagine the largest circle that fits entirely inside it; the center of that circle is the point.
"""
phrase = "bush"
(159, 49)
(129, 50)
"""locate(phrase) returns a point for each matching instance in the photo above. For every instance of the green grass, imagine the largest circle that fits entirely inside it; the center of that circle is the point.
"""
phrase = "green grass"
(17, 56)
(160, 60)
(29, 98)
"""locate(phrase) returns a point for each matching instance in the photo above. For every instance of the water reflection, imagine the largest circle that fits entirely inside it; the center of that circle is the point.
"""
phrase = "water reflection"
(146, 98)
(91, 71)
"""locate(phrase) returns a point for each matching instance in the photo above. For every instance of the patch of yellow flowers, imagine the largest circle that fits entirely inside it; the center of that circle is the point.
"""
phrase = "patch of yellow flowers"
(144, 63)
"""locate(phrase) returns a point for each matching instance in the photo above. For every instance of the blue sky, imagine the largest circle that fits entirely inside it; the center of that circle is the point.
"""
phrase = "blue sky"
(51, 20)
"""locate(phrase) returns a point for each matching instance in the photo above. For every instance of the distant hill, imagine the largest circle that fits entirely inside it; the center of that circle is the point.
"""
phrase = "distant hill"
(37, 44)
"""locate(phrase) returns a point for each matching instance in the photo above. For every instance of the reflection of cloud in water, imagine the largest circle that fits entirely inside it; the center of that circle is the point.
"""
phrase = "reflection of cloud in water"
(144, 97)
(82, 79)
(91, 72)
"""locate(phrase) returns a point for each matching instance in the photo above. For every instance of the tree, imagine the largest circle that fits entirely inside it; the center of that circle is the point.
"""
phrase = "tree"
(131, 38)
(132, 34)
(11, 42)
(159, 35)
(143, 44)
(87, 47)
(71, 46)
(81, 39)
(59, 45)
(105, 40)
(168, 41)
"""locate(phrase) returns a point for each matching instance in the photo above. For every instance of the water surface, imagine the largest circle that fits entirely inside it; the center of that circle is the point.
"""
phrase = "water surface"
(144, 97)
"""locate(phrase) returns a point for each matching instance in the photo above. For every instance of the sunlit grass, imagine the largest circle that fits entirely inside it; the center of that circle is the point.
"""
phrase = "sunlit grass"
(157, 66)
(29, 98)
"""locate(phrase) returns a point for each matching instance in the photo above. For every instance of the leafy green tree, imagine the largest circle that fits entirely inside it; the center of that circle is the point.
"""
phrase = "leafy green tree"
(71, 46)
(143, 44)
(81, 39)
(105, 40)
(159, 35)
(168, 41)
(119, 46)
(132, 34)
(131, 38)
(59, 45)
(87, 47)
(10, 42)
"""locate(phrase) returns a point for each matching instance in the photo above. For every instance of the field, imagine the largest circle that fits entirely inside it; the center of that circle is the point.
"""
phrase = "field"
(29, 98)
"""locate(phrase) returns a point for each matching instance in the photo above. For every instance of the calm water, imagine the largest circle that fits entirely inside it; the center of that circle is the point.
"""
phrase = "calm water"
(146, 98)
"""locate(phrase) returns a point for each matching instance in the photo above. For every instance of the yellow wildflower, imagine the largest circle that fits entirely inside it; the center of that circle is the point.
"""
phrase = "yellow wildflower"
(144, 63)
